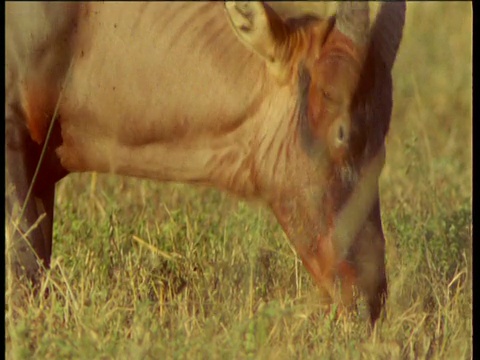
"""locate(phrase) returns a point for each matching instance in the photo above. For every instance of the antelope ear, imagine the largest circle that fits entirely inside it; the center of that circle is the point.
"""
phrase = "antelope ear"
(260, 29)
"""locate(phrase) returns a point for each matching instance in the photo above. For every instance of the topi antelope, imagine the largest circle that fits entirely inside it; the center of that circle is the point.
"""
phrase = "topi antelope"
(290, 111)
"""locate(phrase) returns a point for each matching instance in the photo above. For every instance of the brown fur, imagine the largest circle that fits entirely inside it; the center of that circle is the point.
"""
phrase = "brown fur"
(196, 93)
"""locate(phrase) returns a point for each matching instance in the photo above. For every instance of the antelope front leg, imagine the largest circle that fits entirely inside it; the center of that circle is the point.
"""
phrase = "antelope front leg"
(29, 202)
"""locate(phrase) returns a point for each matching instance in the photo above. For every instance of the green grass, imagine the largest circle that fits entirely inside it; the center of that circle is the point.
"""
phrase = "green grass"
(145, 270)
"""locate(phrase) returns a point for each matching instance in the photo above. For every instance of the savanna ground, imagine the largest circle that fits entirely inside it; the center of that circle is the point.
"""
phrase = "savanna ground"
(146, 270)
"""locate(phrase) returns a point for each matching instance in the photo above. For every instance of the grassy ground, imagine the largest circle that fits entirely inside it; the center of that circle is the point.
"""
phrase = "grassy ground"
(145, 270)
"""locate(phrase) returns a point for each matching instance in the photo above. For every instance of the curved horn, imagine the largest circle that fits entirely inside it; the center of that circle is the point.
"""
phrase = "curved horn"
(388, 30)
(353, 20)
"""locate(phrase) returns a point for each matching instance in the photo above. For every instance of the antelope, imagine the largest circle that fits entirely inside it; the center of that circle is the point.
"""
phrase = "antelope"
(290, 111)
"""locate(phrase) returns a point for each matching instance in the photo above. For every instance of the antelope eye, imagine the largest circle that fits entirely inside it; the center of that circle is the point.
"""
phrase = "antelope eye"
(326, 95)
(340, 133)
(329, 94)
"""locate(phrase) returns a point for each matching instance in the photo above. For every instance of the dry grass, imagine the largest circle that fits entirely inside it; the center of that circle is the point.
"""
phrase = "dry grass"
(146, 270)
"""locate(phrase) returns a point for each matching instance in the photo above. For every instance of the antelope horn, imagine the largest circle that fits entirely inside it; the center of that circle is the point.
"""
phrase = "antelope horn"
(353, 21)
(388, 30)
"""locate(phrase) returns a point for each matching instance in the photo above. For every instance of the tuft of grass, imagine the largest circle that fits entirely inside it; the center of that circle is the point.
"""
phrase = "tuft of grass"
(145, 270)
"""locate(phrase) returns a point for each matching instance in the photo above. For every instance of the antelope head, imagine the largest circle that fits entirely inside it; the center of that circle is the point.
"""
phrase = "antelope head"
(339, 70)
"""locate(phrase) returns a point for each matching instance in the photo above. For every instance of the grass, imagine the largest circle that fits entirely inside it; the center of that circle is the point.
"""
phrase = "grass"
(144, 270)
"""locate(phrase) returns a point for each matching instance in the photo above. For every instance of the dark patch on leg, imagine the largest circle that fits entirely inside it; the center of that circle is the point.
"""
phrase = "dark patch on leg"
(368, 255)
(30, 244)
(379, 297)
(377, 301)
